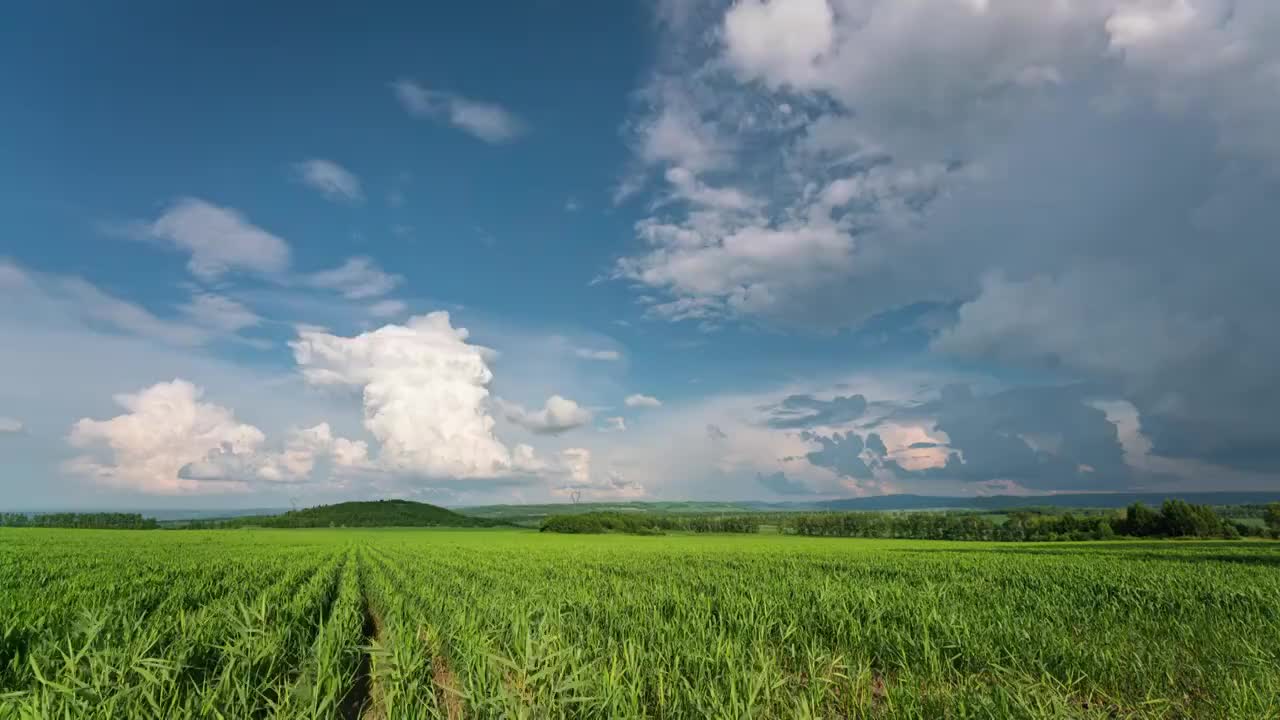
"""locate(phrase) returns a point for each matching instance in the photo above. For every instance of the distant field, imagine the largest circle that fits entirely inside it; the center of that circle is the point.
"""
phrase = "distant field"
(510, 623)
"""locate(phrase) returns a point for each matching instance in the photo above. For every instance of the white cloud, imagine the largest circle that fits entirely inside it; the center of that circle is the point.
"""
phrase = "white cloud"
(780, 40)
(219, 239)
(358, 278)
(166, 429)
(425, 393)
(578, 478)
(577, 465)
(487, 121)
(220, 313)
(590, 354)
(614, 424)
(559, 415)
(331, 179)
(170, 441)
(10, 425)
(388, 308)
(642, 401)
(676, 133)
(307, 445)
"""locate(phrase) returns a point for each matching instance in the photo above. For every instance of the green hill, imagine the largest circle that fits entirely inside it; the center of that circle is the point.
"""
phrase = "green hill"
(375, 513)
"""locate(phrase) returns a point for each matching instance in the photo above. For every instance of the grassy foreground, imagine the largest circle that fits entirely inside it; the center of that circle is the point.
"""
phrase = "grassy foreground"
(507, 623)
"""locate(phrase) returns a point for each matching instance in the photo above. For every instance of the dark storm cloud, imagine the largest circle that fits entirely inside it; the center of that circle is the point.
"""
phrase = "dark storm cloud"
(779, 483)
(1047, 438)
(804, 411)
(840, 452)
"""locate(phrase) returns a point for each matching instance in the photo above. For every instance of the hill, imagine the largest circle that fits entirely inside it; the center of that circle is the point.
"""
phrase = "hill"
(375, 513)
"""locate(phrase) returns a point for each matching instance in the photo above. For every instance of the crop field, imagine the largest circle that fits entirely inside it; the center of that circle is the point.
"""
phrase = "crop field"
(507, 623)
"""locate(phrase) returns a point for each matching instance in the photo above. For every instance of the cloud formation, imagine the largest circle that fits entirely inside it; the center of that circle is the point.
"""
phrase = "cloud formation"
(425, 395)
(358, 278)
(579, 478)
(802, 411)
(305, 447)
(166, 429)
(559, 415)
(489, 122)
(10, 425)
(218, 239)
(639, 400)
(219, 313)
(57, 299)
(779, 484)
(817, 163)
(330, 179)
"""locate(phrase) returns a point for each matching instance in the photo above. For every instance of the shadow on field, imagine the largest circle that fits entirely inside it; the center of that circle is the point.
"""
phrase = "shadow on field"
(1168, 552)
(357, 698)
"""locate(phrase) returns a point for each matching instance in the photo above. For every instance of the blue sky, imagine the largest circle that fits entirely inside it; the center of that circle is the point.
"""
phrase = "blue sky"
(777, 249)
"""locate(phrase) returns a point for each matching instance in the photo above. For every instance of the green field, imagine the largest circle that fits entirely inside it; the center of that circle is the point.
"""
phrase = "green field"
(510, 623)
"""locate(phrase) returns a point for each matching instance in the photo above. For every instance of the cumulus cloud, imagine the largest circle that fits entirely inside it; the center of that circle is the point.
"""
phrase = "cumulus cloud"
(779, 40)
(559, 415)
(358, 278)
(639, 400)
(425, 394)
(218, 239)
(489, 122)
(590, 354)
(577, 477)
(166, 429)
(614, 424)
(330, 179)
(172, 441)
(10, 425)
(305, 447)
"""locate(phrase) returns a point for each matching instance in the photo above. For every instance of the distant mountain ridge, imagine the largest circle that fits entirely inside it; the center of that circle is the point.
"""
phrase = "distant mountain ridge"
(1073, 500)
(531, 512)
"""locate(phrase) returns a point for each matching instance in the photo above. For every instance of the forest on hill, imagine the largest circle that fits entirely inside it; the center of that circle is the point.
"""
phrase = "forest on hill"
(373, 513)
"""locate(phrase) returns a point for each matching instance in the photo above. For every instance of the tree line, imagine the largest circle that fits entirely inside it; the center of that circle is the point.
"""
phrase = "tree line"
(96, 521)
(649, 524)
(1174, 518)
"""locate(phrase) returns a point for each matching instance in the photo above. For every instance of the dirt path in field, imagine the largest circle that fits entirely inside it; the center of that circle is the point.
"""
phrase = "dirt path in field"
(358, 703)
(448, 695)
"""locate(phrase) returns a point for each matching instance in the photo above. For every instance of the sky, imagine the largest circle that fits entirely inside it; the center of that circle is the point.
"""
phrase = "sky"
(778, 250)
